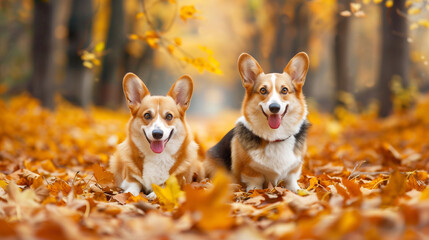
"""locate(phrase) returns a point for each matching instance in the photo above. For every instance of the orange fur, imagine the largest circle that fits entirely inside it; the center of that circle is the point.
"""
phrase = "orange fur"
(252, 163)
(127, 163)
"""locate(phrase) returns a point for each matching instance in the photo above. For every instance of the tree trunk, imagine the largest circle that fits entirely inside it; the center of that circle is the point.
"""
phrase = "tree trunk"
(394, 54)
(42, 82)
(78, 85)
(291, 35)
(301, 25)
(343, 81)
(109, 88)
(284, 35)
(301, 41)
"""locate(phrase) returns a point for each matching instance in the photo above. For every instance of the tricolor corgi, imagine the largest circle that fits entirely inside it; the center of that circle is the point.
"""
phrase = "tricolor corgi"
(159, 141)
(268, 142)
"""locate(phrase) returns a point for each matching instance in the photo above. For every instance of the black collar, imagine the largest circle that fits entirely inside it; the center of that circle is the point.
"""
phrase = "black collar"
(246, 135)
(250, 139)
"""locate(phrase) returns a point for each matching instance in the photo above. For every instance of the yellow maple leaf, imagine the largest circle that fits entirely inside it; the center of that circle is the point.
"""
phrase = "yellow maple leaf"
(86, 56)
(88, 64)
(170, 49)
(152, 39)
(168, 196)
(99, 47)
(413, 11)
(152, 42)
(424, 23)
(178, 41)
(389, 3)
(187, 12)
(3, 184)
(209, 63)
(302, 192)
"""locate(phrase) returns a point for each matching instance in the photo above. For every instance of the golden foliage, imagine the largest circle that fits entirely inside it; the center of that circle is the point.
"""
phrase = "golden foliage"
(389, 3)
(363, 178)
(157, 38)
(168, 196)
(102, 176)
(188, 12)
(209, 208)
(208, 63)
(92, 58)
(414, 11)
(420, 23)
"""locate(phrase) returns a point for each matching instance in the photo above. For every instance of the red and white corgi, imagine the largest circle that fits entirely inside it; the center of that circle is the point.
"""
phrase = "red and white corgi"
(268, 142)
(159, 141)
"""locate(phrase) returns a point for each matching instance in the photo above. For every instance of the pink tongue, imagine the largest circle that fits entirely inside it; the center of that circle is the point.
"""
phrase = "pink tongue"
(157, 146)
(274, 121)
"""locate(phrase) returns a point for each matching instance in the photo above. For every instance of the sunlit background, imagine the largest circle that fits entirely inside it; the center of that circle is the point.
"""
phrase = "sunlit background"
(63, 113)
(81, 49)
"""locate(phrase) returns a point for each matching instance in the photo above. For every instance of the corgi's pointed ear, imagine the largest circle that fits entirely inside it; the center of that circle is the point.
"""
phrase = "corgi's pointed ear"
(181, 91)
(134, 90)
(249, 69)
(297, 68)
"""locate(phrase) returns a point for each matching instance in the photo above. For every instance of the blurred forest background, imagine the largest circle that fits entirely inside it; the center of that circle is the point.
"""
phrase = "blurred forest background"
(365, 55)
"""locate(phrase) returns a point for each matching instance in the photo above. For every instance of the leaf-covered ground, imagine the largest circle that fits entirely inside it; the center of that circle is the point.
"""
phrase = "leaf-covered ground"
(363, 178)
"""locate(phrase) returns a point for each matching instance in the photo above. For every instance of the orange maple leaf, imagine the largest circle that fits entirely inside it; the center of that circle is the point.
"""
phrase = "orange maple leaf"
(394, 189)
(103, 176)
(209, 207)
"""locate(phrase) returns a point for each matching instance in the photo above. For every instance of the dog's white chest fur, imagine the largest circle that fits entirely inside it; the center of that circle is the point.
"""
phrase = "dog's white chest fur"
(275, 160)
(156, 169)
(156, 166)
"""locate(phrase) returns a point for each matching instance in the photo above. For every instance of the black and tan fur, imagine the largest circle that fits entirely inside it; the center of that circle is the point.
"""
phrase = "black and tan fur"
(256, 150)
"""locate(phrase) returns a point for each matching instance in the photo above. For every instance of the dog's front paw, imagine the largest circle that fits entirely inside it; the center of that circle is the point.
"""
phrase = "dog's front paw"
(131, 187)
(252, 183)
(250, 187)
(151, 196)
(134, 191)
(294, 187)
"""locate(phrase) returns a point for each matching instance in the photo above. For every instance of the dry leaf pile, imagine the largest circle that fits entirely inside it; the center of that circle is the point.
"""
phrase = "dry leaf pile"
(363, 178)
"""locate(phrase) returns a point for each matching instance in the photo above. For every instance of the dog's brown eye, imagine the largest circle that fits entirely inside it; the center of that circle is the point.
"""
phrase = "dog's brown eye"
(169, 117)
(263, 91)
(147, 116)
(284, 90)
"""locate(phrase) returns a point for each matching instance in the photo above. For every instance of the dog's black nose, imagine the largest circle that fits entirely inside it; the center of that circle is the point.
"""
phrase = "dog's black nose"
(274, 107)
(157, 133)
